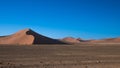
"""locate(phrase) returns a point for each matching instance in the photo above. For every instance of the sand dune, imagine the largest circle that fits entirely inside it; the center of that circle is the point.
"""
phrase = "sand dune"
(72, 40)
(109, 40)
(78, 40)
(27, 37)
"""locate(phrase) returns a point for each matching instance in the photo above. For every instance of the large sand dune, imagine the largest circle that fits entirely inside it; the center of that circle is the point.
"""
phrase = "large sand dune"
(27, 37)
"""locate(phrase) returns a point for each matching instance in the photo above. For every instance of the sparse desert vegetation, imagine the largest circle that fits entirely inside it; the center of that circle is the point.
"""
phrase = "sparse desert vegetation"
(60, 56)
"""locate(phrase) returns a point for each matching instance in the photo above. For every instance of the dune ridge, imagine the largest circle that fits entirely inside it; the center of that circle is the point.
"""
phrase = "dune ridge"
(79, 40)
(27, 37)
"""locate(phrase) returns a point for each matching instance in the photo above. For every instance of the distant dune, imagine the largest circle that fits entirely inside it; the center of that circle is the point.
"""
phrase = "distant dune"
(72, 40)
(27, 37)
(109, 40)
(78, 40)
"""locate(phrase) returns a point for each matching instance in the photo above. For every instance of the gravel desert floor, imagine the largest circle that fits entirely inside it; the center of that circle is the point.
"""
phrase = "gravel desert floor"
(60, 56)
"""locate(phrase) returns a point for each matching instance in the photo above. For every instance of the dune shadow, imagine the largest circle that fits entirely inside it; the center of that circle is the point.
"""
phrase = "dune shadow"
(39, 39)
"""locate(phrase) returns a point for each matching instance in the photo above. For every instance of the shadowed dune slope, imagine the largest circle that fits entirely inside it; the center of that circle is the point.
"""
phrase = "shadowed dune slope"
(27, 37)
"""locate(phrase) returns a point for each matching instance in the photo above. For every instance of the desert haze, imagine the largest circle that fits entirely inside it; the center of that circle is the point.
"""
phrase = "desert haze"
(45, 52)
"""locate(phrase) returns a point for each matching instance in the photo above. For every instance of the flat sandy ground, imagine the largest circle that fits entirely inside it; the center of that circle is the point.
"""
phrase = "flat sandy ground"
(60, 56)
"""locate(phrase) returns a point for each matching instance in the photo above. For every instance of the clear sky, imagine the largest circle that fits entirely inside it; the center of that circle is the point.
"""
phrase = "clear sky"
(87, 19)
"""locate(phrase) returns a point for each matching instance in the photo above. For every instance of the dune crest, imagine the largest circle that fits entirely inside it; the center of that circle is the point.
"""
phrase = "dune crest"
(27, 37)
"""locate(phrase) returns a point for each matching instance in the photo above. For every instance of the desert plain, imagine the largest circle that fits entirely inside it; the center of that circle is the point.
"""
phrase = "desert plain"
(60, 56)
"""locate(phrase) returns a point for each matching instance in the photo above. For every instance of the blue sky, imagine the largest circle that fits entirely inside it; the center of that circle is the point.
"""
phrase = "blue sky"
(87, 19)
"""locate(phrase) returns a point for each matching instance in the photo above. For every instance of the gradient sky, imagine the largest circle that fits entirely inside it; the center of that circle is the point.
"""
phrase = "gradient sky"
(87, 19)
